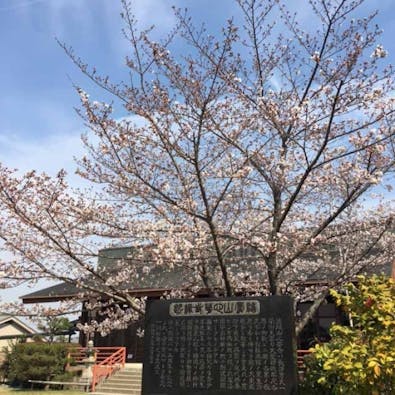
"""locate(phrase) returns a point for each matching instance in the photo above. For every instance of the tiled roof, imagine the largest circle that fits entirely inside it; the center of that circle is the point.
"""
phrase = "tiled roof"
(158, 280)
(57, 292)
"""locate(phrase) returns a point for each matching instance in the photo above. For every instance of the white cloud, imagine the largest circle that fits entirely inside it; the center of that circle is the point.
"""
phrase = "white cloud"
(47, 154)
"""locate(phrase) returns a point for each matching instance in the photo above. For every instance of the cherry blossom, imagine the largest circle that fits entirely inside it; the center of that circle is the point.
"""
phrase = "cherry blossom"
(246, 165)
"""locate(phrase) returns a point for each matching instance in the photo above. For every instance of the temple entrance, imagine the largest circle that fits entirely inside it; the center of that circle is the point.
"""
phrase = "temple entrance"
(125, 338)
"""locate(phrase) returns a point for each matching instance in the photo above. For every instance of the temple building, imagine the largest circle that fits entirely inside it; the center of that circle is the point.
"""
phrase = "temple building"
(159, 282)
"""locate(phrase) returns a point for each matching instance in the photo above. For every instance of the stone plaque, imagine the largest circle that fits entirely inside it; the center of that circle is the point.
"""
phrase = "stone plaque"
(229, 346)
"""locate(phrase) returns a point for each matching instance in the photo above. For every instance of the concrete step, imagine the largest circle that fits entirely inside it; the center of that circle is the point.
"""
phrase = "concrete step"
(110, 390)
(127, 374)
(131, 370)
(117, 391)
(133, 365)
(120, 386)
(126, 381)
(125, 378)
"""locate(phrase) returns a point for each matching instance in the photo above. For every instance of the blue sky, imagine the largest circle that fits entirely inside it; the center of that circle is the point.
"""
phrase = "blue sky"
(38, 125)
(39, 128)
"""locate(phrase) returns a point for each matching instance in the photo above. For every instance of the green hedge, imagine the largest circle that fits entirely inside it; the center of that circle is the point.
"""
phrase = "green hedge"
(37, 361)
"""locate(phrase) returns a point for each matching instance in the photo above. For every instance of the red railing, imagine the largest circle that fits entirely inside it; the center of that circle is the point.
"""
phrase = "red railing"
(78, 355)
(110, 359)
(107, 361)
(300, 361)
(106, 367)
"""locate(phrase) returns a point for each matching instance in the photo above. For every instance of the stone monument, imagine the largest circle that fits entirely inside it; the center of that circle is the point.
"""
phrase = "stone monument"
(229, 346)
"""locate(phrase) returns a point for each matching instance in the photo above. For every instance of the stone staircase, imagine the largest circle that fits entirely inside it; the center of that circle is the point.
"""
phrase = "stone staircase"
(126, 381)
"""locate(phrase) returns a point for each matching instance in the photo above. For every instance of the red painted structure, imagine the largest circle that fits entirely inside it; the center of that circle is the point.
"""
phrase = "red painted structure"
(300, 362)
(108, 360)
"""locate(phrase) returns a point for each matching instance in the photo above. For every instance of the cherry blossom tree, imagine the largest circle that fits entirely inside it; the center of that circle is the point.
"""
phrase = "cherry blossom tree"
(254, 161)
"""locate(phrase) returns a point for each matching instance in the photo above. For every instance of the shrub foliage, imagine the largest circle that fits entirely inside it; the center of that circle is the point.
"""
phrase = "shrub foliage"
(37, 361)
(359, 359)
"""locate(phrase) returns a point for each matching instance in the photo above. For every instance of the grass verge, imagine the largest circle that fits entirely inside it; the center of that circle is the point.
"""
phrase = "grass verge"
(5, 390)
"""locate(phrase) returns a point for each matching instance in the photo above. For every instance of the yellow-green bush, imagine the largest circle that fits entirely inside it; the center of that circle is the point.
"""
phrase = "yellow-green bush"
(359, 359)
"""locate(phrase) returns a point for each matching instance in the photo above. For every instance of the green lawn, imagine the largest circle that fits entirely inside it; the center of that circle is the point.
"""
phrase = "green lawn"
(5, 390)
